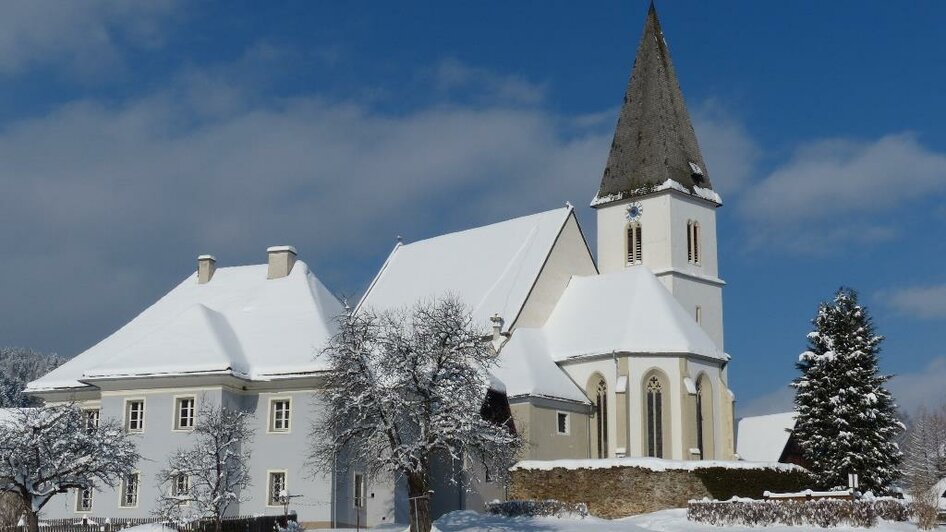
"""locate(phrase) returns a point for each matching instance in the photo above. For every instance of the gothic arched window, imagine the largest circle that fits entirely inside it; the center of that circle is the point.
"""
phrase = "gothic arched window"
(635, 248)
(601, 413)
(654, 393)
(699, 418)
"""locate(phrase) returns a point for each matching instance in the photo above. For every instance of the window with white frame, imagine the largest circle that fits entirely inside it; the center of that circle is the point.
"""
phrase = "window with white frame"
(635, 249)
(129, 492)
(361, 490)
(279, 412)
(693, 242)
(184, 413)
(135, 415)
(92, 418)
(180, 485)
(561, 422)
(84, 500)
(276, 488)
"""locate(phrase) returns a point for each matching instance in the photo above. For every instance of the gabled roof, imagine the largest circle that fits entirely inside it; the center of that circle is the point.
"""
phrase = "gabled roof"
(490, 268)
(526, 369)
(625, 311)
(763, 438)
(654, 139)
(240, 323)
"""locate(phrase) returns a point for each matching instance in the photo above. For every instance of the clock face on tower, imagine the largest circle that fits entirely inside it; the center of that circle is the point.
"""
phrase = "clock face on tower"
(634, 211)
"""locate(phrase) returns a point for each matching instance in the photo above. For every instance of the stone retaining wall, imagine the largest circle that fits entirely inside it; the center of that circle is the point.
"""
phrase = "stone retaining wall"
(610, 493)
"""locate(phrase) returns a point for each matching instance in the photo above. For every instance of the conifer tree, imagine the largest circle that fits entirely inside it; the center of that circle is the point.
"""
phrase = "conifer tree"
(847, 420)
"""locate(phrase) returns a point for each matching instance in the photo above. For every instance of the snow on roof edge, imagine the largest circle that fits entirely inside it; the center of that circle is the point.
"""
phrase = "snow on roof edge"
(653, 464)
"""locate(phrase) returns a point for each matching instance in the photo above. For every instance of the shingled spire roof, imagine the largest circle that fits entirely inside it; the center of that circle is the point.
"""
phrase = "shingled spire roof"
(654, 140)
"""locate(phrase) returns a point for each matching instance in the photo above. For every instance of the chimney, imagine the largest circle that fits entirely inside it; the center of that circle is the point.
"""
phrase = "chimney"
(281, 260)
(498, 338)
(206, 266)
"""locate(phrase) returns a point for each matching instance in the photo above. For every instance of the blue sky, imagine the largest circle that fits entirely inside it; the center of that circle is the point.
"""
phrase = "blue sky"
(135, 136)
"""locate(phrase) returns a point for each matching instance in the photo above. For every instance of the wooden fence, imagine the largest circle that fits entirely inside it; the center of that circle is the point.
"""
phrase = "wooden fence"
(266, 523)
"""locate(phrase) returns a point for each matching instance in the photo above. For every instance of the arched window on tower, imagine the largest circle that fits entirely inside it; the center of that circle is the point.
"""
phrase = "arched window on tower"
(634, 244)
(654, 399)
(601, 413)
(693, 242)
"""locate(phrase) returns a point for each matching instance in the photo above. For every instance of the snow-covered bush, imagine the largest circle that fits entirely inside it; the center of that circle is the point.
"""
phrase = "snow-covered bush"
(546, 508)
(819, 512)
(847, 419)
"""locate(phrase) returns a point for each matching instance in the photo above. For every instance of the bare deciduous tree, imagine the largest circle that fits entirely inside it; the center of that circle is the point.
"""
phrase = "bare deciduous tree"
(48, 450)
(407, 388)
(203, 481)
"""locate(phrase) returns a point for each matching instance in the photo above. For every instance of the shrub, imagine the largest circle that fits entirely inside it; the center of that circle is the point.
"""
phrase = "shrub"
(531, 508)
(819, 512)
(725, 483)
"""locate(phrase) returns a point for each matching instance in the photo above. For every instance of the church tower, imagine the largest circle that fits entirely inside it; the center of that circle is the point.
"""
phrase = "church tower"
(656, 206)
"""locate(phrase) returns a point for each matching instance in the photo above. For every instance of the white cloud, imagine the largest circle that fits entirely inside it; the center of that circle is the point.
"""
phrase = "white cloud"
(920, 301)
(829, 190)
(113, 202)
(730, 152)
(452, 75)
(83, 37)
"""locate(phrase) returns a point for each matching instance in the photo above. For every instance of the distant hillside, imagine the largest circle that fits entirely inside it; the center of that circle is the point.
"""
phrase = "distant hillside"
(19, 366)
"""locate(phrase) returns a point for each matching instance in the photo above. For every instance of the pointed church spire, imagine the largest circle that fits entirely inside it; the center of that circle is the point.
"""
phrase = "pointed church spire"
(654, 140)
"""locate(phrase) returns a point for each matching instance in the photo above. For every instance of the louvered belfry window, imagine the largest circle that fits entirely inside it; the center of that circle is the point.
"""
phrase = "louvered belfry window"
(693, 242)
(634, 244)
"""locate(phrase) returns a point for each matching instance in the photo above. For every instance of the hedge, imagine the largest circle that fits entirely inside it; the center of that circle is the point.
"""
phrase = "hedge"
(532, 508)
(725, 483)
(819, 512)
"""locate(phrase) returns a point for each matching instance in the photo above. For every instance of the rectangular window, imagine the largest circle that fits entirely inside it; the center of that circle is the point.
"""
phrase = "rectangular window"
(562, 422)
(84, 500)
(696, 243)
(184, 413)
(135, 415)
(180, 486)
(92, 418)
(277, 488)
(279, 412)
(699, 314)
(360, 490)
(129, 492)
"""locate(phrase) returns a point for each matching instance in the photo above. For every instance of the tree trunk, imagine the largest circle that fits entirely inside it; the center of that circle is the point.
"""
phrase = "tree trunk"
(32, 520)
(419, 502)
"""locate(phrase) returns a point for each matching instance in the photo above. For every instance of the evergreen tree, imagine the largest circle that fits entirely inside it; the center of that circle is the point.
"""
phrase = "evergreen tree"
(847, 420)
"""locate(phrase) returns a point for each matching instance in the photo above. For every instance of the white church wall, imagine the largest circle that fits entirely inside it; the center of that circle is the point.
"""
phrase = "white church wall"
(569, 256)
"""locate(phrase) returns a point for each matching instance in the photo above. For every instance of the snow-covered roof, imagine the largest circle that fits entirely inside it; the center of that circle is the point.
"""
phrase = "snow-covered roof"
(490, 268)
(624, 311)
(526, 369)
(238, 323)
(763, 438)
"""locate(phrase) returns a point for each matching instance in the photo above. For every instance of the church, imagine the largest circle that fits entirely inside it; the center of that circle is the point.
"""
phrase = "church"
(619, 355)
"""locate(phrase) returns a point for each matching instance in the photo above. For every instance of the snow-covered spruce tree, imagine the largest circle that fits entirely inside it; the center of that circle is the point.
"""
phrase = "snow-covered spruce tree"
(407, 389)
(19, 366)
(847, 420)
(924, 463)
(46, 450)
(203, 481)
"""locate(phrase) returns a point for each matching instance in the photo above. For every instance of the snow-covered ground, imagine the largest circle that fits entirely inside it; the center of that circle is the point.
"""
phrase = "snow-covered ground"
(664, 521)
